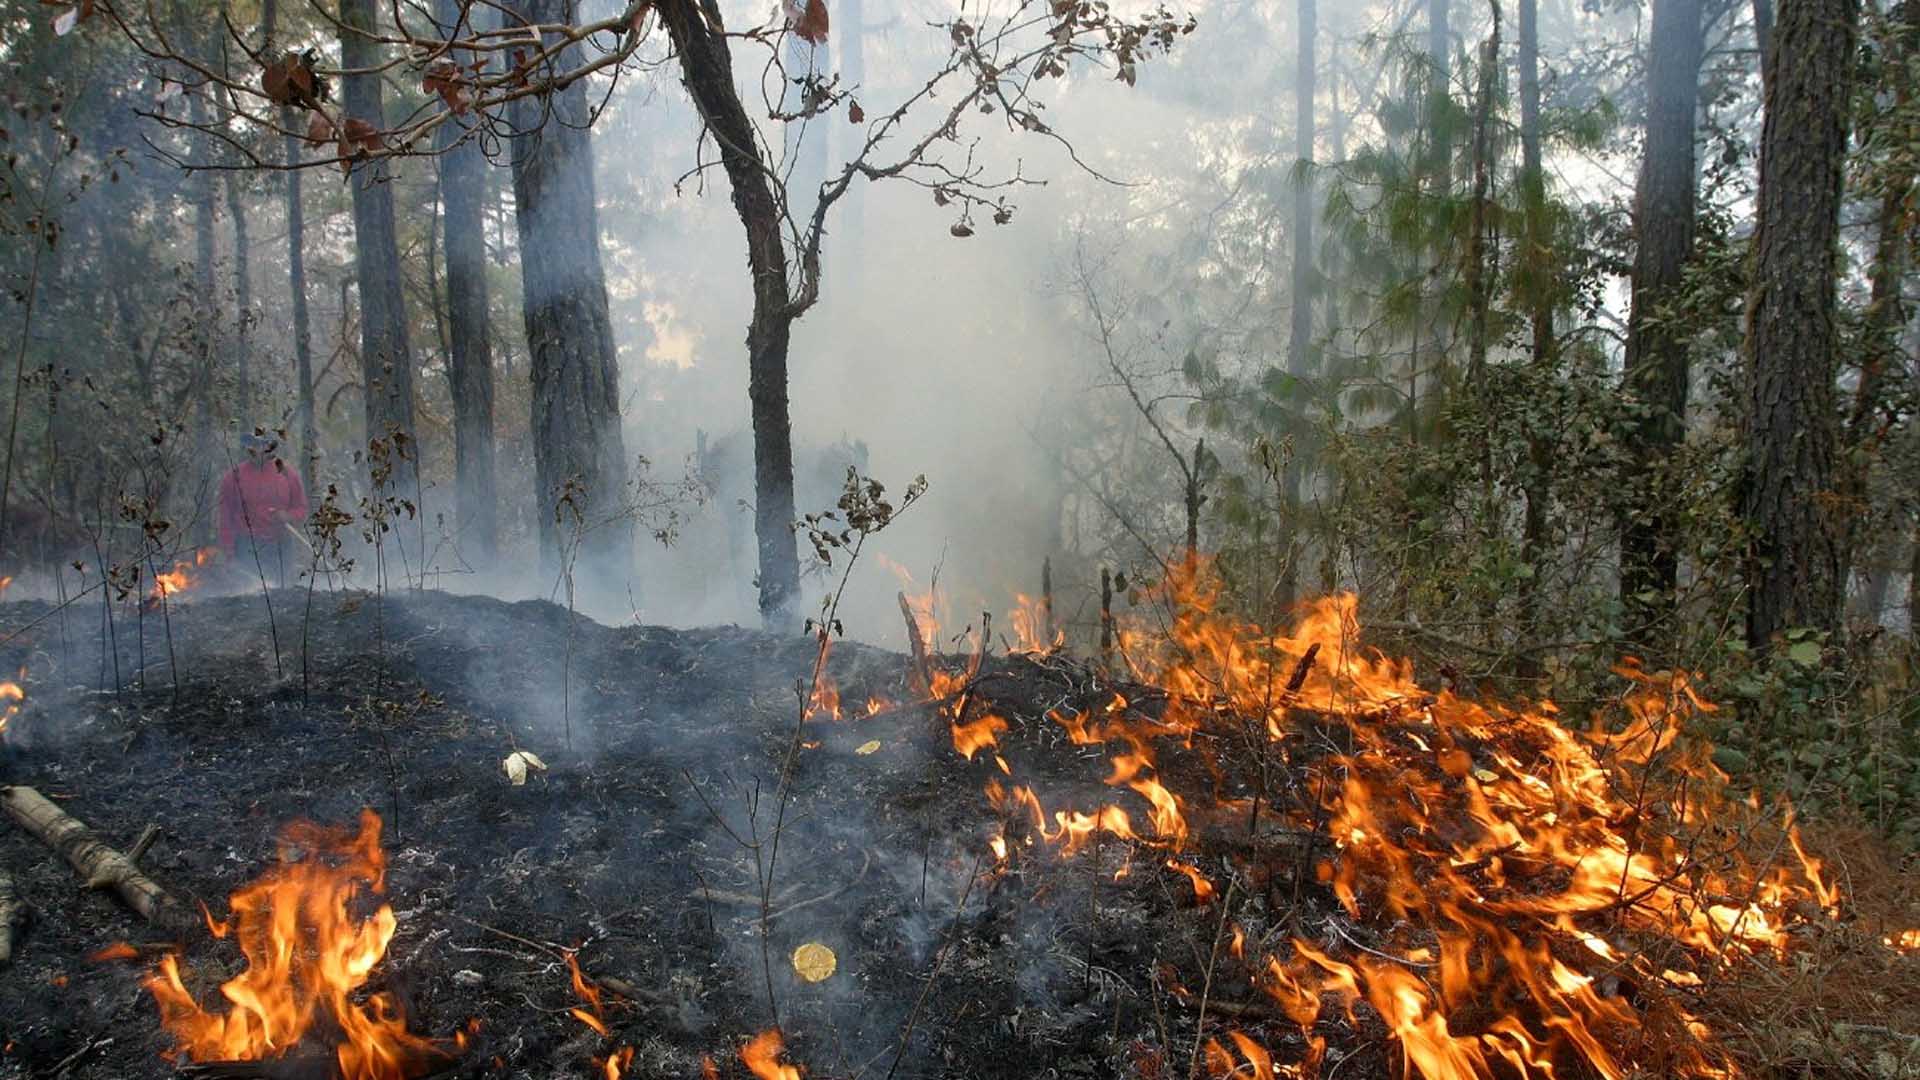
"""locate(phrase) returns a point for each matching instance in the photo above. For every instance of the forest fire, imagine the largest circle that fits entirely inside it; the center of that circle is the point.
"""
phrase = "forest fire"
(1498, 855)
(186, 574)
(309, 959)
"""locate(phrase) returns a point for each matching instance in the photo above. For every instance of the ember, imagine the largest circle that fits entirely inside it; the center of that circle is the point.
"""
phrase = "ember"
(308, 963)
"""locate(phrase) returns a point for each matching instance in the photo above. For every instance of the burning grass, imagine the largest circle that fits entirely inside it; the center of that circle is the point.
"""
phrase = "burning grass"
(1244, 853)
(309, 958)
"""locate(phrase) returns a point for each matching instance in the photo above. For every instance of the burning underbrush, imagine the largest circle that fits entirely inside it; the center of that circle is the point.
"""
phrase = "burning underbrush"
(1225, 852)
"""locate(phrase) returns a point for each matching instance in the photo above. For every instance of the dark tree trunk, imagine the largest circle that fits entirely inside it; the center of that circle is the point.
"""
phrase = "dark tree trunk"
(1479, 281)
(1536, 267)
(243, 296)
(1656, 369)
(1763, 33)
(1300, 329)
(1537, 262)
(463, 181)
(698, 38)
(579, 453)
(297, 284)
(204, 451)
(386, 360)
(1794, 568)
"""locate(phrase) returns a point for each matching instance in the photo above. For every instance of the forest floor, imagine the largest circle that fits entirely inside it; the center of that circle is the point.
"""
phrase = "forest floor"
(664, 750)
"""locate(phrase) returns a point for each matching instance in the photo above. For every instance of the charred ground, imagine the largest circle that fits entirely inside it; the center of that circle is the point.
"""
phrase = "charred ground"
(409, 704)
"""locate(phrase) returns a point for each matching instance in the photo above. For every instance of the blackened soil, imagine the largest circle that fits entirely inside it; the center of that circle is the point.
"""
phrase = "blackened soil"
(637, 845)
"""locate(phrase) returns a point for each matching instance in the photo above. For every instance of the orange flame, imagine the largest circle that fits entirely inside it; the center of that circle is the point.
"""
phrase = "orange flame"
(184, 575)
(11, 695)
(1486, 846)
(762, 1057)
(614, 1065)
(307, 958)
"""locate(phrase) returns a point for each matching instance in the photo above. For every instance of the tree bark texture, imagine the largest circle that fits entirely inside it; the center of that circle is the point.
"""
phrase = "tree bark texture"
(1794, 564)
(580, 466)
(463, 182)
(1656, 370)
(101, 866)
(707, 67)
(386, 359)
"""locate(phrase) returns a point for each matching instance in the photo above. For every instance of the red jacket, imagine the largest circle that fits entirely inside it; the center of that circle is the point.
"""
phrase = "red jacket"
(256, 498)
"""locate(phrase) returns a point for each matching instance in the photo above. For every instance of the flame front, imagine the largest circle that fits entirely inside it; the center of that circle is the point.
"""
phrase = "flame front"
(308, 958)
(1492, 853)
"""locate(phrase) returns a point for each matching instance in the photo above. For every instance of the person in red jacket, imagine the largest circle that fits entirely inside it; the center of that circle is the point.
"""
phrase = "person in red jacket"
(261, 501)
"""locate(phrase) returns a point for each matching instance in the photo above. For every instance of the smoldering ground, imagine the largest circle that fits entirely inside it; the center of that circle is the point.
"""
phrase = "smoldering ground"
(640, 845)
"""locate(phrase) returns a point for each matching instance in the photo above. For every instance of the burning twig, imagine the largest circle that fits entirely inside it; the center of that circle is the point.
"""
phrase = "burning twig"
(102, 866)
(1206, 987)
(13, 912)
(922, 671)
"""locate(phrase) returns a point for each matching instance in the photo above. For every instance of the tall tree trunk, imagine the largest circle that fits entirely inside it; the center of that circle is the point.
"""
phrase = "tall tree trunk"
(1656, 370)
(1763, 34)
(1794, 567)
(1537, 262)
(243, 296)
(1536, 266)
(1479, 281)
(1440, 41)
(1300, 329)
(297, 285)
(386, 359)
(579, 453)
(463, 181)
(1886, 274)
(200, 184)
(707, 67)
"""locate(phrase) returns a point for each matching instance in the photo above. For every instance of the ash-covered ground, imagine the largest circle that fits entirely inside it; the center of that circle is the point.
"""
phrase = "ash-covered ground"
(664, 750)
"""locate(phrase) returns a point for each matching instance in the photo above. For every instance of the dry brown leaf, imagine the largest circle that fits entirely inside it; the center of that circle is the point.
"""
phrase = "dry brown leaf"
(362, 136)
(809, 21)
(319, 130)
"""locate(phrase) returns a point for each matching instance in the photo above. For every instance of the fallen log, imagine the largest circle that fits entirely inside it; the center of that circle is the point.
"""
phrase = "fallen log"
(12, 913)
(100, 865)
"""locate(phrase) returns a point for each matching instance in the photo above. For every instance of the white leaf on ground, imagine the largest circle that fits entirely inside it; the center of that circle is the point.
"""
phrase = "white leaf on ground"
(517, 764)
